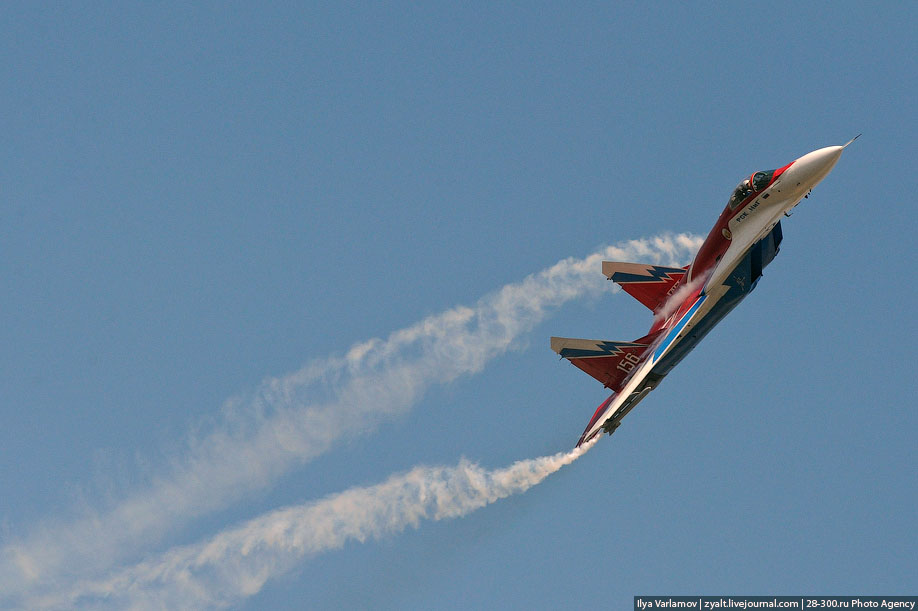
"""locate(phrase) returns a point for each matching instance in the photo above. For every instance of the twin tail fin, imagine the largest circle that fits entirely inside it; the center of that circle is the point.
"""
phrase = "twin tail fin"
(609, 362)
(649, 284)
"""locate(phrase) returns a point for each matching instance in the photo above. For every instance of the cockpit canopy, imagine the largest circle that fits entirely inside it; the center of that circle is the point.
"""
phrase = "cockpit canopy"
(756, 183)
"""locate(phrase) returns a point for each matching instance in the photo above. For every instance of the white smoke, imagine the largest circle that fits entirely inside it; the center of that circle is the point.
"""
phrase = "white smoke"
(681, 294)
(237, 562)
(291, 419)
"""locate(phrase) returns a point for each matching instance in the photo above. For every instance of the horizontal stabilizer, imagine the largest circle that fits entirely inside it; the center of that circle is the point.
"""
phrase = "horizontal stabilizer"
(607, 361)
(649, 284)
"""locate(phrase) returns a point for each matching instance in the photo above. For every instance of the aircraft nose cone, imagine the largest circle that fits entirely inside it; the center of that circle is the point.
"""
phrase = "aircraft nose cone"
(810, 169)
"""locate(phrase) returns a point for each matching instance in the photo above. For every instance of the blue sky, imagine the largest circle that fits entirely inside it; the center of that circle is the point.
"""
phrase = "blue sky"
(198, 202)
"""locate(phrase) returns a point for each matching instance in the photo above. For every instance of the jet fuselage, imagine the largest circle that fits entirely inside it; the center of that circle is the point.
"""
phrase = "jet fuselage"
(727, 267)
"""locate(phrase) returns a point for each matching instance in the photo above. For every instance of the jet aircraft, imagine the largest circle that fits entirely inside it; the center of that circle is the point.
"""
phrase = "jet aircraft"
(687, 302)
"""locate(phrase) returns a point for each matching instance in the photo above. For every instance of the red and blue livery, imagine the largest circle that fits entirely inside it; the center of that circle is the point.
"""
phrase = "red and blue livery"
(687, 302)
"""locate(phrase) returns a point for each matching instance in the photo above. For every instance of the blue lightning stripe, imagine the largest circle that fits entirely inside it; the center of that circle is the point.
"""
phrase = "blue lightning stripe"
(656, 273)
(602, 349)
(674, 333)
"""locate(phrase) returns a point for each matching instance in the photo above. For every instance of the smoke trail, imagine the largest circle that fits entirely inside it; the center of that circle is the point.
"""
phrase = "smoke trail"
(675, 300)
(236, 563)
(291, 419)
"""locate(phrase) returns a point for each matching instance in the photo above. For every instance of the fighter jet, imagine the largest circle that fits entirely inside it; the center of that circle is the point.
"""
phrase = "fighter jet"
(687, 302)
